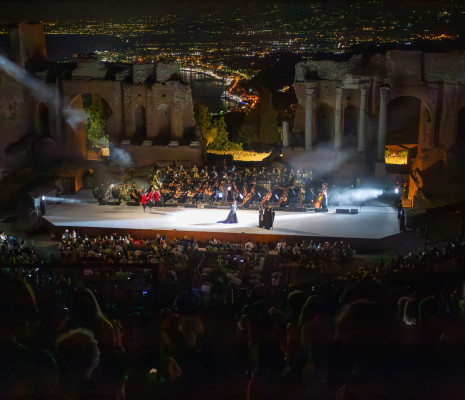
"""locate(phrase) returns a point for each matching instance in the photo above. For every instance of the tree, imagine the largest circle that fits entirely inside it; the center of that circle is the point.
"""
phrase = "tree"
(268, 132)
(259, 126)
(96, 123)
(213, 130)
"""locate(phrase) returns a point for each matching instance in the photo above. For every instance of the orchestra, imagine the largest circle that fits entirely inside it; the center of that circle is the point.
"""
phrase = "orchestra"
(279, 187)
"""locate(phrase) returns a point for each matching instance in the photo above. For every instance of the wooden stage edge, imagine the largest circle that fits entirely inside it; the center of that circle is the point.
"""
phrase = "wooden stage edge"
(362, 245)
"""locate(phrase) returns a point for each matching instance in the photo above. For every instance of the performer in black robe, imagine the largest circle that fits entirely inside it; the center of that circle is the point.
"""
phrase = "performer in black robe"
(232, 216)
(260, 217)
(268, 217)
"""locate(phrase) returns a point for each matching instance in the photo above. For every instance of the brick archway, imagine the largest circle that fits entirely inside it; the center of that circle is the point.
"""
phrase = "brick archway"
(403, 120)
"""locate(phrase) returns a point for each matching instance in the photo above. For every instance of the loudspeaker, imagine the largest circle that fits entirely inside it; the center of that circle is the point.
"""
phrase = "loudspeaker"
(190, 205)
(298, 209)
(354, 211)
(211, 206)
(133, 204)
(319, 210)
(342, 210)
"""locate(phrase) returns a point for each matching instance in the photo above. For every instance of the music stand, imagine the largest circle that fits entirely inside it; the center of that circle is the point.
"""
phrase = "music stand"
(36, 209)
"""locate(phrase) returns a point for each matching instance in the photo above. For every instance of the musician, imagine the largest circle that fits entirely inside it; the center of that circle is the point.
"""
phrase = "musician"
(134, 195)
(322, 201)
(283, 199)
(179, 195)
(190, 196)
(224, 192)
(300, 196)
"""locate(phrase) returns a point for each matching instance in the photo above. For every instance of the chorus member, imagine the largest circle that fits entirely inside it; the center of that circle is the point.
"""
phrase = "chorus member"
(268, 217)
(143, 201)
(260, 216)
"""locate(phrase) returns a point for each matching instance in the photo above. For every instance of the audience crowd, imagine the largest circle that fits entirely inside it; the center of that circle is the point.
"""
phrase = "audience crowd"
(179, 319)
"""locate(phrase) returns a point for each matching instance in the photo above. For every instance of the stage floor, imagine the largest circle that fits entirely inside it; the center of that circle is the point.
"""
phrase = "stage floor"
(373, 221)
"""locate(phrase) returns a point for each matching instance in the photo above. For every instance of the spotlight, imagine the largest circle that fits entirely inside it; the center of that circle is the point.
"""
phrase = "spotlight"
(396, 190)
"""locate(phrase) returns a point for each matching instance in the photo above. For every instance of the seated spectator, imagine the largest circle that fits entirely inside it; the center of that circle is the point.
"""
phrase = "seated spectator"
(24, 372)
(78, 356)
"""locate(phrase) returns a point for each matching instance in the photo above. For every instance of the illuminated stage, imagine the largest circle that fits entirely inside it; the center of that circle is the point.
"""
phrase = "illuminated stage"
(373, 222)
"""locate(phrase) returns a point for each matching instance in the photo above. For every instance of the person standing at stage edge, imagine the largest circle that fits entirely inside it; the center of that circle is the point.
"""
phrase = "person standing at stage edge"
(143, 201)
(260, 216)
(268, 217)
(149, 198)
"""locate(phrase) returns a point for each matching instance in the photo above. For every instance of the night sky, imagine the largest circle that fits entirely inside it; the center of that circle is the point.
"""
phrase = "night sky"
(36, 10)
(68, 9)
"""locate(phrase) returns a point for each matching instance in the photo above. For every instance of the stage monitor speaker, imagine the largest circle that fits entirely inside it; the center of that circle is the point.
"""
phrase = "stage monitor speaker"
(354, 211)
(190, 205)
(342, 211)
(211, 206)
(298, 209)
(133, 204)
(321, 210)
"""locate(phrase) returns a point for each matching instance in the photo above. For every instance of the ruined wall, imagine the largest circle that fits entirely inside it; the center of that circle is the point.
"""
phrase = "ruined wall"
(435, 79)
(165, 71)
(14, 121)
(27, 46)
(444, 67)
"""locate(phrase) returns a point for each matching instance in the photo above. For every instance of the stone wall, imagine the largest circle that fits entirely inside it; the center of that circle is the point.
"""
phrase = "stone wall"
(145, 156)
(165, 71)
(435, 79)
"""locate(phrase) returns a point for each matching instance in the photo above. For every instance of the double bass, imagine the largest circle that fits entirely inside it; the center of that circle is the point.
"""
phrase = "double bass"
(283, 198)
(266, 198)
(318, 203)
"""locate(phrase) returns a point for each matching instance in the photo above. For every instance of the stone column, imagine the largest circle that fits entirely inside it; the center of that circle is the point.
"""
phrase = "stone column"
(337, 120)
(362, 119)
(285, 133)
(309, 119)
(382, 122)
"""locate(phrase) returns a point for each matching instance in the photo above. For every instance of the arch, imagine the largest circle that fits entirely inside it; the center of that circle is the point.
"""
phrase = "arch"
(403, 120)
(140, 123)
(163, 121)
(43, 120)
(460, 138)
(90, 134)
(349, 133)
(324, 123)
